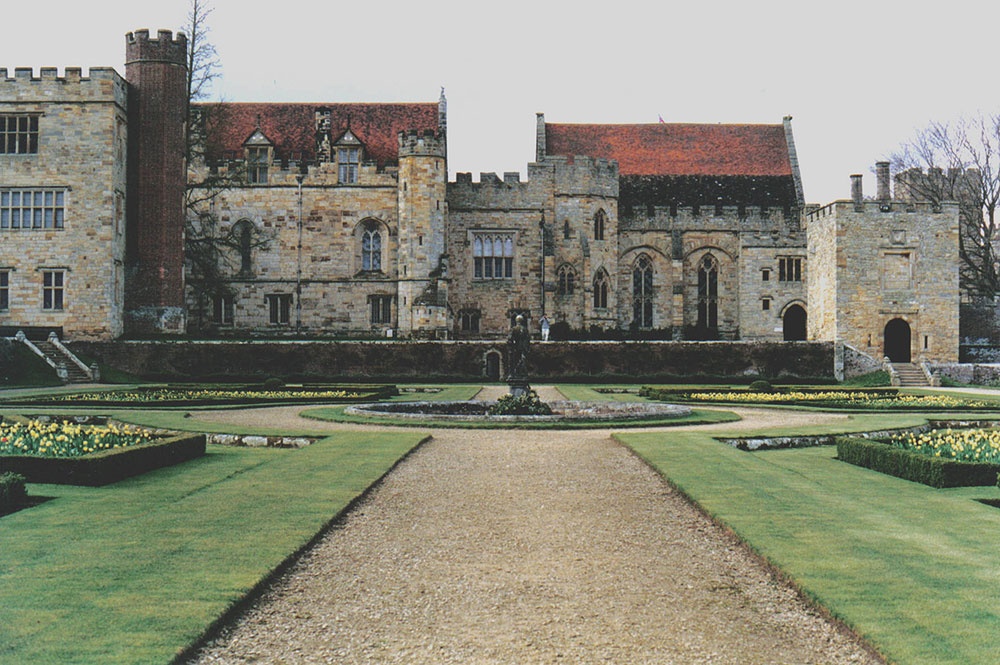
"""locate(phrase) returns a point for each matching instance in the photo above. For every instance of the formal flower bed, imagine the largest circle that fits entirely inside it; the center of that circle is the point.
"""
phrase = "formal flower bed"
(843, 399)
(967, 445)
(66, 439)
(200, 394)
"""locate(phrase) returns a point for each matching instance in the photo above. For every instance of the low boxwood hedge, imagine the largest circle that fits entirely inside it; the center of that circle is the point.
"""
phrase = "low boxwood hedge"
(910, 465)
(12, 492)
(107, 466)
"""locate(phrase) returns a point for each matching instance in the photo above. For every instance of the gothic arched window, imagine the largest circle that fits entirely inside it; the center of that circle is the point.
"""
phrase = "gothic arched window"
(642, 292)
(600, 220)
(567, 280)
(708, 293)
(371, 247)
(601, 290)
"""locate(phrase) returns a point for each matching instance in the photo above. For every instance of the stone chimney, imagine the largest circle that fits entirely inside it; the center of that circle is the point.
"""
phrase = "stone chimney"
(857, 193)
(882, 179)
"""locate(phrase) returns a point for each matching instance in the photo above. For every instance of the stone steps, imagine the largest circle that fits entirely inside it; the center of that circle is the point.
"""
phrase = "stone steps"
(910, 375)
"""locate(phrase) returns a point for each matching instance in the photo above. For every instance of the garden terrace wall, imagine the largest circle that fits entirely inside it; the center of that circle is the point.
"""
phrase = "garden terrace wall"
(107, 466)
(459, 360)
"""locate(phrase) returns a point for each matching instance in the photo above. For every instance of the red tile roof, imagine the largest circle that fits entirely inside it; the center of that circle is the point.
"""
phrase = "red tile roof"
(677, 149)
(292, 127)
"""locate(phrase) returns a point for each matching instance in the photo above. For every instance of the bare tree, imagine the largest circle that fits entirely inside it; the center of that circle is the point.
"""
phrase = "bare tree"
(960, 161)
(212, 250)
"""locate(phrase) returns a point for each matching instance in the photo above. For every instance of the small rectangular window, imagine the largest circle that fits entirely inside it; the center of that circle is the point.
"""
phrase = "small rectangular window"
(470, 320)
(348, 160)
(765, 304)
(380, 307)
(789, 269)
(4, 290)
(257, 164)
(53, 282)
(18, 134)
(223, 310)
(279, 308)
(765, 275)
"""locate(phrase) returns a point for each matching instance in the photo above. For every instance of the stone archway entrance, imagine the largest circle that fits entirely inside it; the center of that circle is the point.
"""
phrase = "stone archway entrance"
(897, 341)
(794, 324)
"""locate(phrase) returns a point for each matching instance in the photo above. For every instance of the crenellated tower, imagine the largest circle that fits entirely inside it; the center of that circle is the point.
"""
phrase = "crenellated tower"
(156, 71)
(423, 262)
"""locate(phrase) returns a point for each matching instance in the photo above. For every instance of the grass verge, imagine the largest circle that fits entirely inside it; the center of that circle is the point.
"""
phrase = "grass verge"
(910, 568)
(134, 572)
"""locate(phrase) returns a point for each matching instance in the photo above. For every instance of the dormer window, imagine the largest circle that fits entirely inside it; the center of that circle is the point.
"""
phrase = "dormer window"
(258, 149)
(349, 150)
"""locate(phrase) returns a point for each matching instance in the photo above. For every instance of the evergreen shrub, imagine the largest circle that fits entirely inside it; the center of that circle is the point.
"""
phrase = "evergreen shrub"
(909, 465)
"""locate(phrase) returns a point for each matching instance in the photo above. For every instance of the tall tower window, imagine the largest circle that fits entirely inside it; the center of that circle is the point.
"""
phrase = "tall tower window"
(371, 247)
(601, 290)
(4, 290)
(600, 220)
(708, 293)
(567, 280)
(642, 292)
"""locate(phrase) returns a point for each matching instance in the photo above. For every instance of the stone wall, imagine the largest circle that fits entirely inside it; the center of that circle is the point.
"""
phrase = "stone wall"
(873, 262)
(460, 360)
(89, 250)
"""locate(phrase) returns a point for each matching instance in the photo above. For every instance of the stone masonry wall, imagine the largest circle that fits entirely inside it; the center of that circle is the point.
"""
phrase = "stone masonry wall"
(892, 261)
(82, 140)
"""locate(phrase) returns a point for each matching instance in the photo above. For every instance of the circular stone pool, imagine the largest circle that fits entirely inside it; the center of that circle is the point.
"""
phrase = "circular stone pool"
(562, 411)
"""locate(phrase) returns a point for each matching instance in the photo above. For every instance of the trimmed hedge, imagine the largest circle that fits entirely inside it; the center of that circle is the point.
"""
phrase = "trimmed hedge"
(106, 466)
(910, 465)
(12, 492)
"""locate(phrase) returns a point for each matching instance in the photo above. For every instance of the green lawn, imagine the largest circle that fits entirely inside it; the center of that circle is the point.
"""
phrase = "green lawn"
(133, 572)
(913, 569)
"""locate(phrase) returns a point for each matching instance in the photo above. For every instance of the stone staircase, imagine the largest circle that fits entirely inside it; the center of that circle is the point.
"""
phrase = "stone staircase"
(60, 358)
(910, 375)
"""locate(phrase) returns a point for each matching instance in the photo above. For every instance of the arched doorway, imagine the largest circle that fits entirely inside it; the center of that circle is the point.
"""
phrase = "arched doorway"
(897, 341)
(794, 324)
(493, 365)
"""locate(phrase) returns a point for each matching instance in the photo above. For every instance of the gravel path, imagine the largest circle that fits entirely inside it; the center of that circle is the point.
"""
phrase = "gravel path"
(528, 547)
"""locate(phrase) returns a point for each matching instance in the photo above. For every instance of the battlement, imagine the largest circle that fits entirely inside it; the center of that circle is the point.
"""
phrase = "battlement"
(428, 143)
(745, 219)
(25, 87)
(875, 207)
(165, 48)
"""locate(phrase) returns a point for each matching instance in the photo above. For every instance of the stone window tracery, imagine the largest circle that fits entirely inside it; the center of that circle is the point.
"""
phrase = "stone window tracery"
(371, 247)
(567, 280)
(601, 289)
(600, 221)
(380, 308)
(642, 292)
(708, 293)
(493, 256)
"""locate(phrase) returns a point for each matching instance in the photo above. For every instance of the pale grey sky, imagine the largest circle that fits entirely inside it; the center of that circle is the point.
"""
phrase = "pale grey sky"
(857, 76)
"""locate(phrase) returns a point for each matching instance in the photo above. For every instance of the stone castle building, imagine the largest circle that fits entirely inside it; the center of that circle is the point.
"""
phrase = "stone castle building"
(339, 220)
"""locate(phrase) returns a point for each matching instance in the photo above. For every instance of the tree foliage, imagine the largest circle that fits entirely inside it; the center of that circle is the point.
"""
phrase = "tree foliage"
(960, 161)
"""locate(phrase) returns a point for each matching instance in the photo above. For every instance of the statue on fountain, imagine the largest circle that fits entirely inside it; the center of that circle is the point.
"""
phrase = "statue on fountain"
(517, 354)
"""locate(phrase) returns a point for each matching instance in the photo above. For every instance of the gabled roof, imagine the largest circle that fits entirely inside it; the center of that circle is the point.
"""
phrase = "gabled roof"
(292, 127)
(670, 149)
